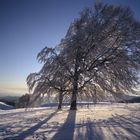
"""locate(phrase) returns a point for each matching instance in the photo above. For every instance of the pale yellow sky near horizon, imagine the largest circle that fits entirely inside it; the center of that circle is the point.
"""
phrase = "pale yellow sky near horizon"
(13, 88)
(16, 89)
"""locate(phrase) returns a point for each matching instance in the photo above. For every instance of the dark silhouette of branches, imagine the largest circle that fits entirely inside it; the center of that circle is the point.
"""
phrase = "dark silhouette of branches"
(101, 49)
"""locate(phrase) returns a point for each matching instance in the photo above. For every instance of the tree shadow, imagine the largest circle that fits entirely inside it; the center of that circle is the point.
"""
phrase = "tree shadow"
(67, 130)
(130, 125)
(118, 127)
(93, 132)
(31, 130)
(89, 130)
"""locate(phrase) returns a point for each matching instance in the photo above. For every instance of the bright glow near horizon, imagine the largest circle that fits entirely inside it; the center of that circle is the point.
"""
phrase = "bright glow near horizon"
(13, 88)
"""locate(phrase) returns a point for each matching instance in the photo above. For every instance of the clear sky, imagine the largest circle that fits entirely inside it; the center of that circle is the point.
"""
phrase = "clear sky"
(27, 26)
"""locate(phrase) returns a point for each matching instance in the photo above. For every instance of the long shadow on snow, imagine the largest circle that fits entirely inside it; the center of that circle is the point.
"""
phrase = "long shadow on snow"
(131, 125)
(67, 130)
(31, 130)
(89, 130)
(118, 127)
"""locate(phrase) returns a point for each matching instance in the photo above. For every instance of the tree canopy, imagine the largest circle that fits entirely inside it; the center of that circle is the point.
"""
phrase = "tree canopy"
(98, 56)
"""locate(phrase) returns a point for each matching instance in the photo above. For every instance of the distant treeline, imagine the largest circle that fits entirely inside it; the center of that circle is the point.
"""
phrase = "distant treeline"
(132, 100)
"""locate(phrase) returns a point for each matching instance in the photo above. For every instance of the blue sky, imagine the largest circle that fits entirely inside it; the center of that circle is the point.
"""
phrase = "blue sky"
(26, 26)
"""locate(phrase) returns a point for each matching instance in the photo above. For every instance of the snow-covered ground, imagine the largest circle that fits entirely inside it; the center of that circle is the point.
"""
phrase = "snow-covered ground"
(100, 122)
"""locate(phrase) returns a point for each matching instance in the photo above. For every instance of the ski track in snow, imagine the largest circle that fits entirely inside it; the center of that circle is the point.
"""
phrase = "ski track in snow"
(100, 122)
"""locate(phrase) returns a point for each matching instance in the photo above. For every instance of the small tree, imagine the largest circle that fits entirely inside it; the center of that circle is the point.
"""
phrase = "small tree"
(23, 101)
(51, 80)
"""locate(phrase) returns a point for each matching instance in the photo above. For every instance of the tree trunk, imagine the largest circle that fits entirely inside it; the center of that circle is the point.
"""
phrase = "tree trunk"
(60, 100)
(73, 105)
(74, 94)
(73, 101)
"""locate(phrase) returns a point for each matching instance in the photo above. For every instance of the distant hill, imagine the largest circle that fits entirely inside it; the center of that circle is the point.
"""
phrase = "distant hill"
(9, 100)
(4, 106)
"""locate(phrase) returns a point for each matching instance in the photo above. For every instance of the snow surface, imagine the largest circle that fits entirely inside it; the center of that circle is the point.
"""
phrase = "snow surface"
(4, 106)
(100, 122)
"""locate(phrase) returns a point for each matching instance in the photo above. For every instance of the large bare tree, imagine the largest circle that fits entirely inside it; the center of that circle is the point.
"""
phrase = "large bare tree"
(102, 46)
(100, 51)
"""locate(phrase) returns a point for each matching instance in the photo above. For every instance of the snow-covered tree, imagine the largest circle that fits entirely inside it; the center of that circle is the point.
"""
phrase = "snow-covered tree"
(51, 80)
(102, 46)
(99, 53)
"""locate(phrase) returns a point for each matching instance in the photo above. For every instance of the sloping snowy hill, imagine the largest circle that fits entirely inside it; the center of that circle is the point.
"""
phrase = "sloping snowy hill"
(4, 106)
